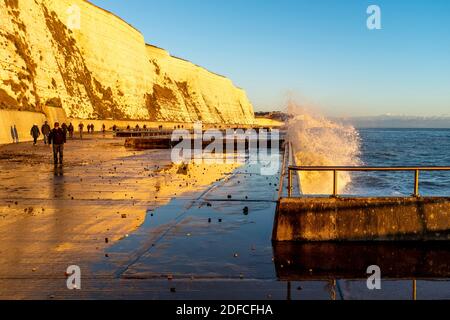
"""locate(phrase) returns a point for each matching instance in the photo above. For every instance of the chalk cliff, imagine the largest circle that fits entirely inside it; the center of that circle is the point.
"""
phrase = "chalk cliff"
(103, 69)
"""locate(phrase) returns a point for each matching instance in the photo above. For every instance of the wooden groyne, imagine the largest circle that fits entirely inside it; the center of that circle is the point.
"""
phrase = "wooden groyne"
(165, 140)
(167, 143)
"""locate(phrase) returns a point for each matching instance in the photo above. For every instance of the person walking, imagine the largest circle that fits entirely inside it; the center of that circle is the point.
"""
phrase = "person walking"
(65, 128)
(70, 129)
(57, 137)
(92, 128)
(81, 127)
(103, 129)
(45, 129)
(35, 133)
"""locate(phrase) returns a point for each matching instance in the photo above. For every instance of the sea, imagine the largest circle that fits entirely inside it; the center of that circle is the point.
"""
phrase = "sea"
(402, 147)
(409, 270)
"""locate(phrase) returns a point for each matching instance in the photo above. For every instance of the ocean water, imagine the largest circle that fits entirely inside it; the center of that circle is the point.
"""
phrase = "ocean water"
(324, 143)
(402, 147)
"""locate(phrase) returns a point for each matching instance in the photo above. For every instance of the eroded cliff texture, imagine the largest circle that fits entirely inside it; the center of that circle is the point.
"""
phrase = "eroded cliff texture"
(103, 69)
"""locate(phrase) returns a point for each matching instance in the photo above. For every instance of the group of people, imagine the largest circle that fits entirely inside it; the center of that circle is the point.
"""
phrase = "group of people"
(90, 129)
(56, 137)
(137, 127)
(46, 131)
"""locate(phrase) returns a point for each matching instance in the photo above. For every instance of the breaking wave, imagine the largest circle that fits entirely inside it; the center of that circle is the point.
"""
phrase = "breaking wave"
(318, 141)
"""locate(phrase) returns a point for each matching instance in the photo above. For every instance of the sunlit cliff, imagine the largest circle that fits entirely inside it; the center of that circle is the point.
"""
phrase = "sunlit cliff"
(104, 69)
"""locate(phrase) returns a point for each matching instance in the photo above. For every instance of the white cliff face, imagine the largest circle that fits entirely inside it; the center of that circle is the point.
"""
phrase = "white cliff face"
(104, 69)
(191, 93)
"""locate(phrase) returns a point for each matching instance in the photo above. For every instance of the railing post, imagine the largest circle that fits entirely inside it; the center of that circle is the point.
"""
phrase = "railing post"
(289, 182)
(335, 182)
(289, 291)
(333, 290)
(416, 184)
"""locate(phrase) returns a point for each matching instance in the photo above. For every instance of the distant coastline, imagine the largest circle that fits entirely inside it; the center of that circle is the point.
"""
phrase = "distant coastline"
(398, 122)
(382, 121)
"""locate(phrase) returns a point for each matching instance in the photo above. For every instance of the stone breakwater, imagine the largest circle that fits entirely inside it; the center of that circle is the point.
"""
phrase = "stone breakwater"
(103, 69)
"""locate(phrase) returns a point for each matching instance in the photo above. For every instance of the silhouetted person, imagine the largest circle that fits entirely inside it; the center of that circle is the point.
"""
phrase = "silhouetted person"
(114, 128)
(81, 127)
(70, 129)
(13, 136)
(65, 128)
(92, 128)
(35, 133)
(45, 129)
(137, 127)
(103, 129)
(128, 127)
(16, 134)
(57, 137)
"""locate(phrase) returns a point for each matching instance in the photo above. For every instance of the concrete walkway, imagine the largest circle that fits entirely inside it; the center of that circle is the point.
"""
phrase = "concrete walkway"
(110, 209)
(142, 228)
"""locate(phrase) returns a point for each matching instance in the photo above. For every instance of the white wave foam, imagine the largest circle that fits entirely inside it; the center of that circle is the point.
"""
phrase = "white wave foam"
(321, 142)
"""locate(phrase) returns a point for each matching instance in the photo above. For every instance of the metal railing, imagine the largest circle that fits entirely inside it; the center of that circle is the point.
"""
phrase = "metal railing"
(283, 169)
(335, 171)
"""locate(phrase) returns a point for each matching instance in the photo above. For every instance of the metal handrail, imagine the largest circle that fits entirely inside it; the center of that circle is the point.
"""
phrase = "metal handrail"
(283, 169)
(337, 169)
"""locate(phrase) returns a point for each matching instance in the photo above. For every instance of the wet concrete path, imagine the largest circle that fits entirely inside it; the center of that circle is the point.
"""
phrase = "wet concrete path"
(141, 228)
(223, 234)
(124, 215)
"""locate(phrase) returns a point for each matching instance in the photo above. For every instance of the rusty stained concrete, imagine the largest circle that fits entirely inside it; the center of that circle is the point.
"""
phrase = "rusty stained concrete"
(362, 219)
(349, 260)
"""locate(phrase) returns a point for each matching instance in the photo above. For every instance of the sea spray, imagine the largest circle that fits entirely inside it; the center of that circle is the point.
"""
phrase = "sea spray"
(318, 141)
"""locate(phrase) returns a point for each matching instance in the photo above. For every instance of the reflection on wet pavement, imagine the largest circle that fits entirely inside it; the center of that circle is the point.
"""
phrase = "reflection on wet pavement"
(51, 218)
(219, 235)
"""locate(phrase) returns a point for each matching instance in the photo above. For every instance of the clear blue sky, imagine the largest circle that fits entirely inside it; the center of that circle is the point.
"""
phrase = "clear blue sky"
(319, 51)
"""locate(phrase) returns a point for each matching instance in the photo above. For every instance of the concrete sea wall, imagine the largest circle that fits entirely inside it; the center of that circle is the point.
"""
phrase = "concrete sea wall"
(18, 122)
(296, 261)
(362, 219)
